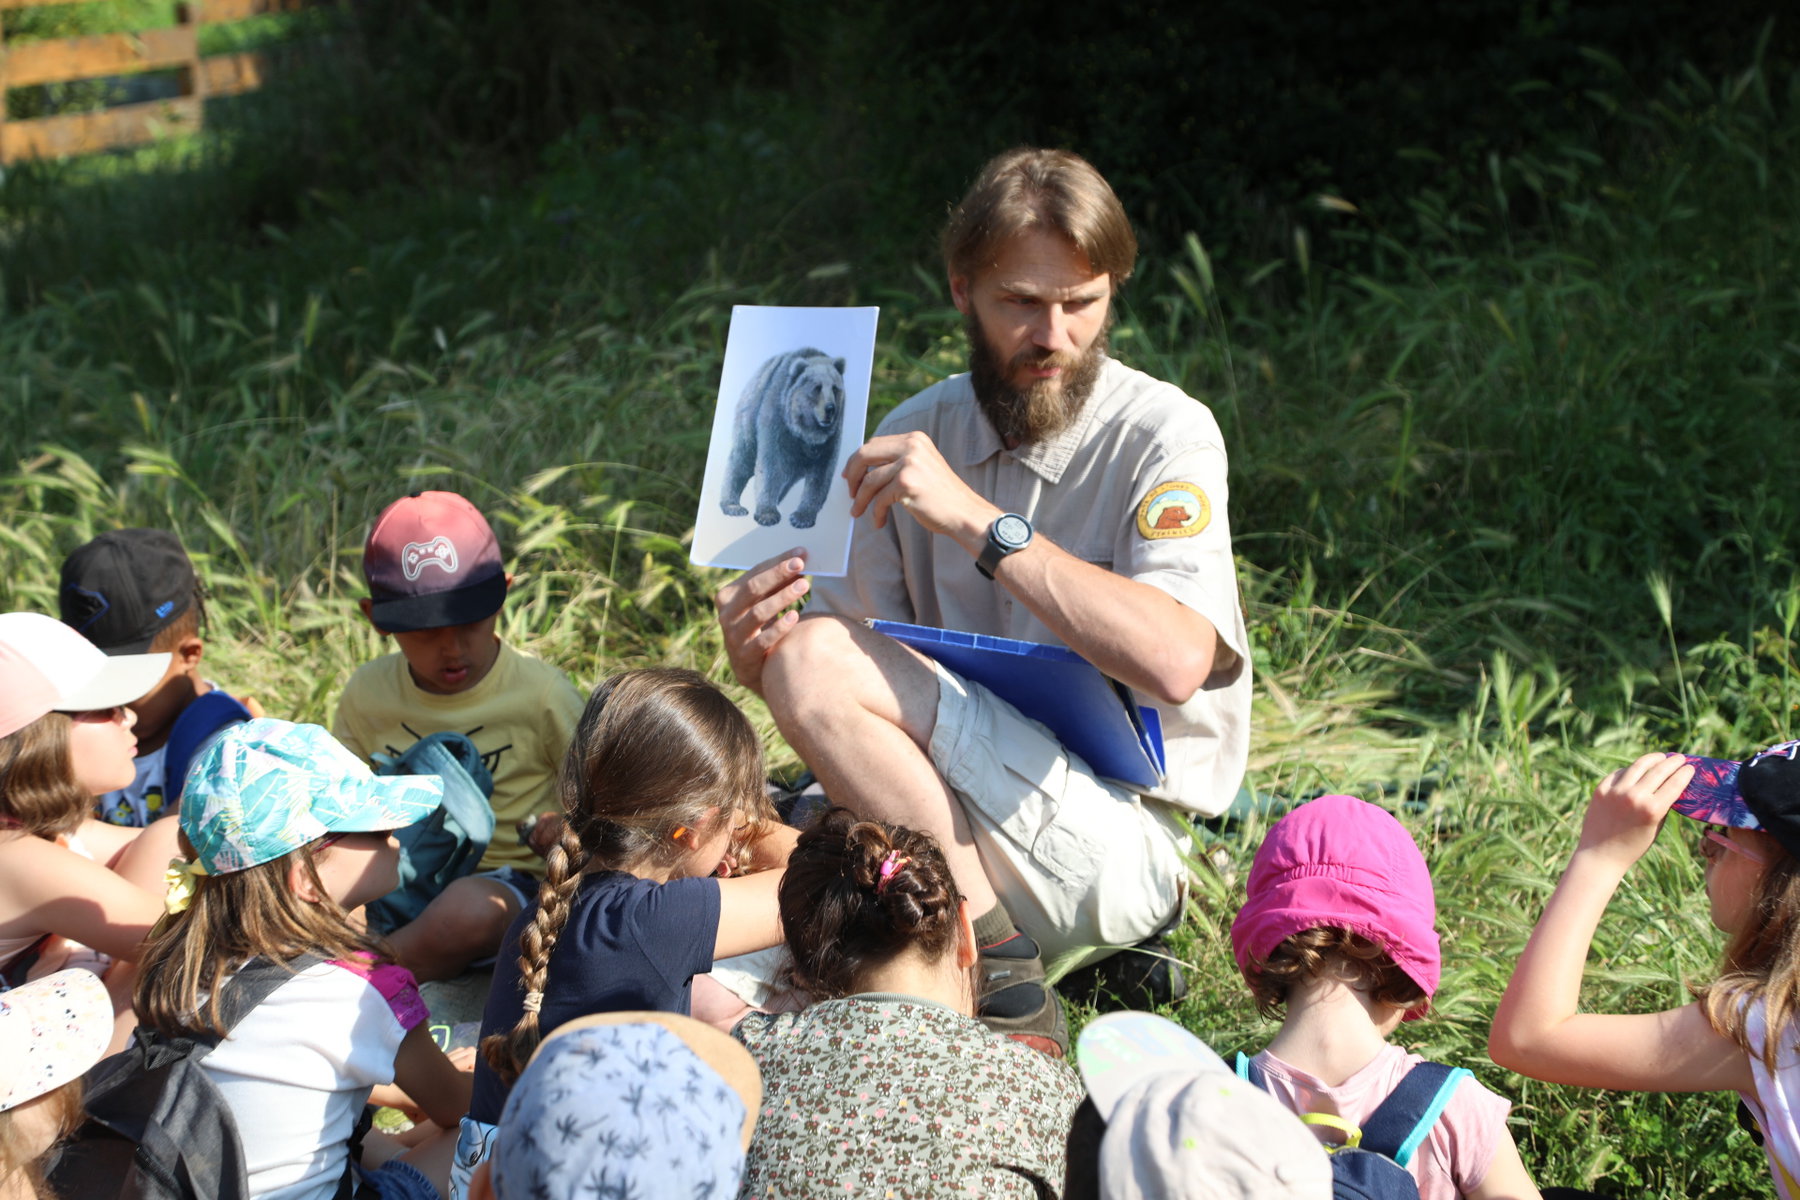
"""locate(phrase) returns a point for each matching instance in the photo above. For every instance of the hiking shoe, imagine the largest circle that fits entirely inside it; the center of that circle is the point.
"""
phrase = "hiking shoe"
(1138, 978)
(1013, 998)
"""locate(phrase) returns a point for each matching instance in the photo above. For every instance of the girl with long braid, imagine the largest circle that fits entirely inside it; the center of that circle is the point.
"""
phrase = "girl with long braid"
(664, 810)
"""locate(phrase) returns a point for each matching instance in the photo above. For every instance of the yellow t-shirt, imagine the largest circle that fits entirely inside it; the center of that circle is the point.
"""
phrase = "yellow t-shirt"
(521, 717)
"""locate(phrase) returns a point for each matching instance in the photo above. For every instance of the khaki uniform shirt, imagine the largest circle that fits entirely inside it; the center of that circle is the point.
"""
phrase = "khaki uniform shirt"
(1135, 485)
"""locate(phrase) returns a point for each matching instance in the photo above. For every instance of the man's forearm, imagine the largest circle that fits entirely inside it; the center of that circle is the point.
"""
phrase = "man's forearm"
(1136, 633)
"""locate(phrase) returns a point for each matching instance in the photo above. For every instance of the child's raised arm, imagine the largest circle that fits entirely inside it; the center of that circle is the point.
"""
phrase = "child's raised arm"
(1537, 1029)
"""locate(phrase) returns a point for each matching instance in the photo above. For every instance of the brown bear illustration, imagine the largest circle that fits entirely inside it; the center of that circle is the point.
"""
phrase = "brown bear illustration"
(1172, 517)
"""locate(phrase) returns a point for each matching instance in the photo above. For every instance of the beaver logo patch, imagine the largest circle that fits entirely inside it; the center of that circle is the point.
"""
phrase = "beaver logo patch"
(1174, 510)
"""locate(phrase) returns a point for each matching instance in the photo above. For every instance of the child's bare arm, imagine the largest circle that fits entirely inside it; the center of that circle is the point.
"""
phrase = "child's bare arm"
(1506, 1178)
(440, 1090)
(48, 889)
(748, 916)
(1538, 1030)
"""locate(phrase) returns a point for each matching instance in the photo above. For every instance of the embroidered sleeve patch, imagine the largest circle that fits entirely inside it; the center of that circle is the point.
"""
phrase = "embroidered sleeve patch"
(1173, 510)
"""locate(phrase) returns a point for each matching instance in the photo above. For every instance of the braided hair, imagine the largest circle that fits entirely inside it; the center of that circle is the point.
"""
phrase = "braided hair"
(857, 894)
(655, 751)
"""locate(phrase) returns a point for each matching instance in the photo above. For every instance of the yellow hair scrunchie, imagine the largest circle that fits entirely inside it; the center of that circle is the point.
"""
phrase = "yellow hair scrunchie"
(179, 882)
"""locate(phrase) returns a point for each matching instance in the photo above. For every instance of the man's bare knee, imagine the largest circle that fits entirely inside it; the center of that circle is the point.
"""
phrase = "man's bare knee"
(816, 665)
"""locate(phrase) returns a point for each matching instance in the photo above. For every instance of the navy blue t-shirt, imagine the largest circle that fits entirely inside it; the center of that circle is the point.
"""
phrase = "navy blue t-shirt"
(629, 944)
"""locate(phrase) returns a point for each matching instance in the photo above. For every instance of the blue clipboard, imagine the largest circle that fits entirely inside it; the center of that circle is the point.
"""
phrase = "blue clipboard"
(1093, 716)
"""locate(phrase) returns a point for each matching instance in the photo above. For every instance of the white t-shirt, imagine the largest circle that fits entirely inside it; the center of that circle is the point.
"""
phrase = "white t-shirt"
(297, 1071)
(1776, 1105)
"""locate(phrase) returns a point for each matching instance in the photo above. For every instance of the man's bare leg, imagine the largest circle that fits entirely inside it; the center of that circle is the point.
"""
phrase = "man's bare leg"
(859, 708)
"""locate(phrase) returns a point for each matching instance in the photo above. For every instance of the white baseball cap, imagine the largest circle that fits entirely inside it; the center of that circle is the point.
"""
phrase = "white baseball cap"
(47, 667)
(1181, 1125)
(51, 1031)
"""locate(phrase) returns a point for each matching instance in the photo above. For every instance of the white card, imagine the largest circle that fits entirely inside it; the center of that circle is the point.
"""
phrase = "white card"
(793, 407)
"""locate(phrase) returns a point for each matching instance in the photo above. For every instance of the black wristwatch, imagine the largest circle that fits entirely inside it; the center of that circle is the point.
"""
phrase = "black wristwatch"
(1009, 534)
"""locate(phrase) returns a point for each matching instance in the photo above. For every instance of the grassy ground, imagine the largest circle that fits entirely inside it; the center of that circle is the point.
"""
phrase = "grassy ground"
(1513, 505)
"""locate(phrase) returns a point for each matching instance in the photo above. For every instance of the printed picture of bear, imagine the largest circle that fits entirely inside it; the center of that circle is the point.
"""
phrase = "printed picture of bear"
(785, 431)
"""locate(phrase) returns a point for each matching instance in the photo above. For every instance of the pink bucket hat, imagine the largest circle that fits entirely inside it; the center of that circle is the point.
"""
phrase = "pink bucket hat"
(1337, 861)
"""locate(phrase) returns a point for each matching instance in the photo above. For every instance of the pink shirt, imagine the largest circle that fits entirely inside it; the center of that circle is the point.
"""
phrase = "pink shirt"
(1456, 1153)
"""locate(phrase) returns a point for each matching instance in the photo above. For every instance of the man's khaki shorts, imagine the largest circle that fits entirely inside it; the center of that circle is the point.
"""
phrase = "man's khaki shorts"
(1079, 863)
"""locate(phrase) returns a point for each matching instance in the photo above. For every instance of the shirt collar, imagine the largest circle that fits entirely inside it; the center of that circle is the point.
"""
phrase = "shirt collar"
(1049, 459)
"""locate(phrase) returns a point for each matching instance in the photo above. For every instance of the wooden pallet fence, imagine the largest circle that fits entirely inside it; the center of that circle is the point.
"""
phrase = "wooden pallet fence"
(69, 59)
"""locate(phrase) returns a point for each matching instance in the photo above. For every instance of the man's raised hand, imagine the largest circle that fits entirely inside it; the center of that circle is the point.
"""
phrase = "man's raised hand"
(907, 469)
(755, 612)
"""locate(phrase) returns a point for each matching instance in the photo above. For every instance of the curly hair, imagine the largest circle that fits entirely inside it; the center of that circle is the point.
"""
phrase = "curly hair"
(1313, 952)
(841, 918)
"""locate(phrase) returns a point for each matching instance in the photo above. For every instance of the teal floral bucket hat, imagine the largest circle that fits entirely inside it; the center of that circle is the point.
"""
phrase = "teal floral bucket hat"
(266, 787)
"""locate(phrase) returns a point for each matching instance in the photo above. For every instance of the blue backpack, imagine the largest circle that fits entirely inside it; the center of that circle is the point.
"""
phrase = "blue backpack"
(449, 843)
(1371, 1164)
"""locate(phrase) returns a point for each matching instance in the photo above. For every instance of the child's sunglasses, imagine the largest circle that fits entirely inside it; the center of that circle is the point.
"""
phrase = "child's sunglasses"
(1715, 842)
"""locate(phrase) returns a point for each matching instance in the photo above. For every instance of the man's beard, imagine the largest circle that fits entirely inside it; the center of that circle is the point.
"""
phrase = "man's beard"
(1045, 407)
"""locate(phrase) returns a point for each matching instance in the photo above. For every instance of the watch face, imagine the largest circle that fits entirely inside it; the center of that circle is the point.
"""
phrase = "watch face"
(1012, 531)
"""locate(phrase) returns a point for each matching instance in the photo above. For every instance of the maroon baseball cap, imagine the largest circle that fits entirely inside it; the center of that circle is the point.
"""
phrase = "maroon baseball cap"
(431, 560)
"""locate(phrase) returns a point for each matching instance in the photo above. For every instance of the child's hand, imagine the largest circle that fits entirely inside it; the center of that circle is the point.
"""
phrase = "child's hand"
(462, 1058)
(541, 832)
(1629, 806)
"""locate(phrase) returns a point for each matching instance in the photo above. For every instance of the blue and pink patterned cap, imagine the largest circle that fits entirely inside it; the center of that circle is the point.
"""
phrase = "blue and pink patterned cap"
(266, 787)
(51, 1031)
(1761, 792)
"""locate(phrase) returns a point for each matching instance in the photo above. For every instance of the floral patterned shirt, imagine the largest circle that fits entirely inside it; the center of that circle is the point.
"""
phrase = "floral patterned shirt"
(881, 1095)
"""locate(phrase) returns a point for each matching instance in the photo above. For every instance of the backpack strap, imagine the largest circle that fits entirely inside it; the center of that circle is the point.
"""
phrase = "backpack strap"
(1400, 1123)
(196, 725)
(1249, 1071)
(249, 987)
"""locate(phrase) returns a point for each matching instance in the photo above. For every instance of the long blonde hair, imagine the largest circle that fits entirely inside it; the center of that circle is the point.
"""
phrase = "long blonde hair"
(1761, 961)
(655, 751)
(232, 919)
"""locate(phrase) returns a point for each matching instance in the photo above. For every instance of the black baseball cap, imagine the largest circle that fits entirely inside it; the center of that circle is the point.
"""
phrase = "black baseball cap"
(123, 588)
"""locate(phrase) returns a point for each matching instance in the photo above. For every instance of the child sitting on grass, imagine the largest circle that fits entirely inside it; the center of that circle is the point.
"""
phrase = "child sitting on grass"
(288, 834)
(660, 789)
(66, 737)
(51, 1031)
(1720, 1042)
(134, 591)
(1337, 934)
(436, 585)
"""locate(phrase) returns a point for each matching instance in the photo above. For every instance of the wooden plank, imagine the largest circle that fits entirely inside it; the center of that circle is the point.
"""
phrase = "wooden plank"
(233, 74)
(4, 4)
(56, 60)
(217, 12)
(84, 133)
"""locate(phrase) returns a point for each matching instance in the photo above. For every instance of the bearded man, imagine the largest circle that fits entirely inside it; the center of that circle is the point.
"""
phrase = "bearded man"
(1051, 494)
